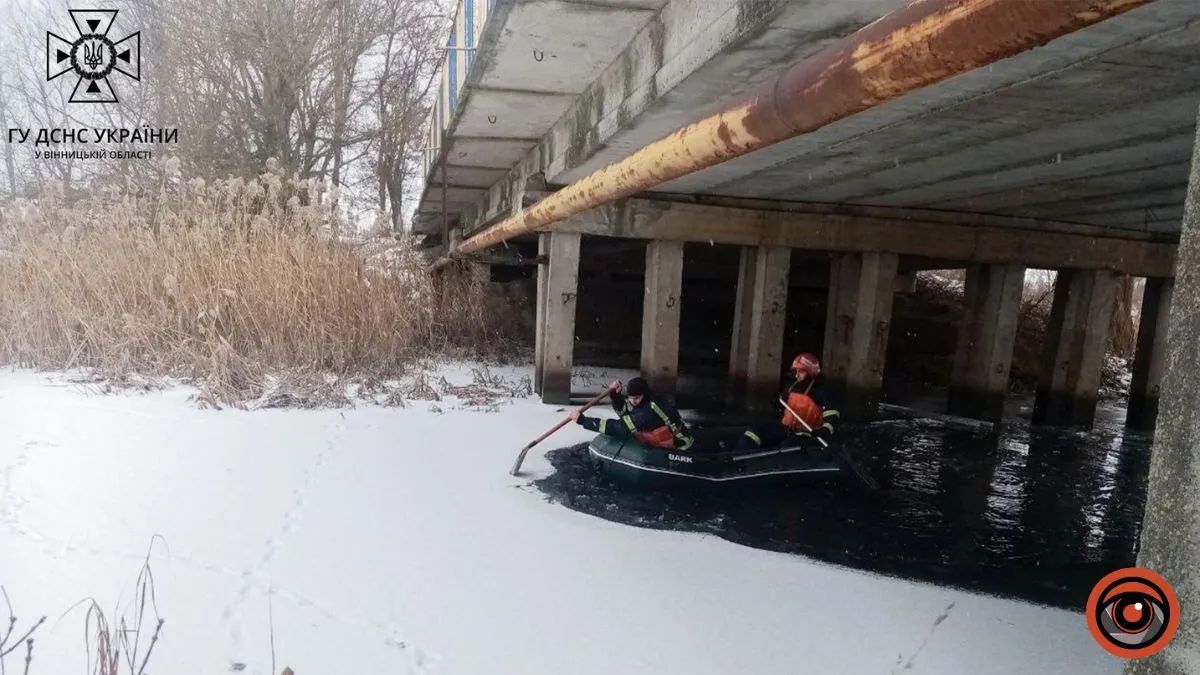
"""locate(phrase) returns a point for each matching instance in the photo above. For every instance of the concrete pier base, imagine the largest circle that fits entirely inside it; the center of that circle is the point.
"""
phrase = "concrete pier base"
(660, 315)
(1150, 357)
(1170, 541)
(764, 352)
(983, 357)
(558, 316)
(739, 341)
(872, 316)
(1076, 340)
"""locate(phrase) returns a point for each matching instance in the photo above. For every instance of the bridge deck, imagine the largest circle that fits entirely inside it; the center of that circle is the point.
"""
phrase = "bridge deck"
(1093, 128)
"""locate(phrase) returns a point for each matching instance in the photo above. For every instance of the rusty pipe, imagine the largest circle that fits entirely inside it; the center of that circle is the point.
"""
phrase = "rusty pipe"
(912, 47)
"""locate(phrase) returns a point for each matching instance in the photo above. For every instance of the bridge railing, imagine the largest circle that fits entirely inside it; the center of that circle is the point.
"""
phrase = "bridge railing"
(469, 19)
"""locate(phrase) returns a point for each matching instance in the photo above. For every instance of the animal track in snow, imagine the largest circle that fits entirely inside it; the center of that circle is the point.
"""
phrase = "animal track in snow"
(253, 577)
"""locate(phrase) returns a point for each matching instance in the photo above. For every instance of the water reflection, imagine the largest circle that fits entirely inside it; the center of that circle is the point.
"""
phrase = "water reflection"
(1036, 513)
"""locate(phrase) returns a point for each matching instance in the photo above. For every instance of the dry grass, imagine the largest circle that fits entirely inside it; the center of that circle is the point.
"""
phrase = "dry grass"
(124, 648)
(11, 641)
(224, 284)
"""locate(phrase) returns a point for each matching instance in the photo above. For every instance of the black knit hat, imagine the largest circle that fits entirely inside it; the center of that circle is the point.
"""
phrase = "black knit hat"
(637, 387)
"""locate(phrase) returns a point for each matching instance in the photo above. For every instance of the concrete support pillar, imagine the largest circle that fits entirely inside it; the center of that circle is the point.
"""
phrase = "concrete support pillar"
(558, 343)
(906, 282)
(1150, 358)
(844, 270)
(739, 341)
(1170, 541)
(768, 312)
(539, 338)
(1076, 340)
(869, 336)
(660, 314)
(983, 358)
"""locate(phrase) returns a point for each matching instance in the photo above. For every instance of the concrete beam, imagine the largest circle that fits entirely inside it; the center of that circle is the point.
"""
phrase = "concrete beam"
(914, 214)
(1170, 540)
(1076, 340)
(743, 318)
(562, 291)
(660, 315)
(869, 337)
(983, 358)
(768, 313)
(1150, 358)
(677, 221)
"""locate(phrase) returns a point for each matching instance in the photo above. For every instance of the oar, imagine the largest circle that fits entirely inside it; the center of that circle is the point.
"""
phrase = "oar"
(858, 471)
(516, 469)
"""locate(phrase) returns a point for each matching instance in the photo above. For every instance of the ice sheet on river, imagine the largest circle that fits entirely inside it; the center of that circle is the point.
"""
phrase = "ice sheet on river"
(394, 540)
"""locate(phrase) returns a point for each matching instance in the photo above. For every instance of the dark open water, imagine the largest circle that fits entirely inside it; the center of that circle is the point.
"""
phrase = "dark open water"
(1034, 513)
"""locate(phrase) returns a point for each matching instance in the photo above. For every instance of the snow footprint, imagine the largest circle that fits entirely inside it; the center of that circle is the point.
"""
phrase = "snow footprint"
(12, 504)
(253, 576)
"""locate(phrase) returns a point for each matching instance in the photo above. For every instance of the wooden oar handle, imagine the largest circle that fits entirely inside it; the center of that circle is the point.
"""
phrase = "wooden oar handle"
(521, 457)
(599, 397)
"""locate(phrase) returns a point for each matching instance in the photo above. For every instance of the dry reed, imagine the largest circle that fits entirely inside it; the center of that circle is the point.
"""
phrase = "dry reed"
(124, 648)
(225, 284)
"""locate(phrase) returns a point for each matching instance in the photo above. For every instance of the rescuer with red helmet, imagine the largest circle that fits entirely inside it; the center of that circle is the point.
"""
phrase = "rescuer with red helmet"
(653, 422)
(805, 396)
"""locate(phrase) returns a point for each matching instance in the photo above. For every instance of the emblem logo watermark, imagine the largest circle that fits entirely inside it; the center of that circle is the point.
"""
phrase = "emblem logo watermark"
(93, 56)
(1132, 613)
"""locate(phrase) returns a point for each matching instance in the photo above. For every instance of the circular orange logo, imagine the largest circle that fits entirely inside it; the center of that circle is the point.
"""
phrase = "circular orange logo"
(1132, 613)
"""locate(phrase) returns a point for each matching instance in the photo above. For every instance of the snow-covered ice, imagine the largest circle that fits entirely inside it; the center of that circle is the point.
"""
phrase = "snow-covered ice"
(389, 540)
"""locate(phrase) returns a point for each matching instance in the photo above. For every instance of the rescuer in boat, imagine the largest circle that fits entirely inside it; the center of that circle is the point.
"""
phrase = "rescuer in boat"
(653, 422)
(809, 398)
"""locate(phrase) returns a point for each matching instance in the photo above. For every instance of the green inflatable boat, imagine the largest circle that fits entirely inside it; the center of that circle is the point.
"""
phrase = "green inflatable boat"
(715, 464)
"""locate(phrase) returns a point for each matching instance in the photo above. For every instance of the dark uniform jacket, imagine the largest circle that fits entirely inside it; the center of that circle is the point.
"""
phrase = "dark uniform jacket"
(647, 417)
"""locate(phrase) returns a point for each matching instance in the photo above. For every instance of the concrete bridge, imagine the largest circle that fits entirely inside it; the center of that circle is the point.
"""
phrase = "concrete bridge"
(1072, 155)
(862, 139)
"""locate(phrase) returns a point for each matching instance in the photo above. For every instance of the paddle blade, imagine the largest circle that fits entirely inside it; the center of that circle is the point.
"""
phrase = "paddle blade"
(858, 471)
(516, 467)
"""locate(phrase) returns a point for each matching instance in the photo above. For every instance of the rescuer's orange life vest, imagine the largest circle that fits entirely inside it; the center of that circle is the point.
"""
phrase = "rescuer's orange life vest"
(806, 408)
(658, 437)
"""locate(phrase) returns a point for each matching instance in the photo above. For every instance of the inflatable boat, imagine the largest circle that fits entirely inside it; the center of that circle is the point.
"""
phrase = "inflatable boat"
(714, 462)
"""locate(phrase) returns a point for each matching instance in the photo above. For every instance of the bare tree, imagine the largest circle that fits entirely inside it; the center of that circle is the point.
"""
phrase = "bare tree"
(332, 89)
(411, 56)
(32, 102)
(9, 164)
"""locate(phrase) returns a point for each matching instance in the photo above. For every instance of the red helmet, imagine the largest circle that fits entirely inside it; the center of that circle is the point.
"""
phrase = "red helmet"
(806, 364)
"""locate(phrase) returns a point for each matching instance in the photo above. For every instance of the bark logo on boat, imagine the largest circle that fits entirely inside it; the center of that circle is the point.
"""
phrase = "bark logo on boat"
(93, 56)
(1132, 613)
(680, 458)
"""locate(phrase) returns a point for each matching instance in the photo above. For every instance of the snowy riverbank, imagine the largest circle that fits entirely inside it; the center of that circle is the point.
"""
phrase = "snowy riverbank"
(394, 540)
